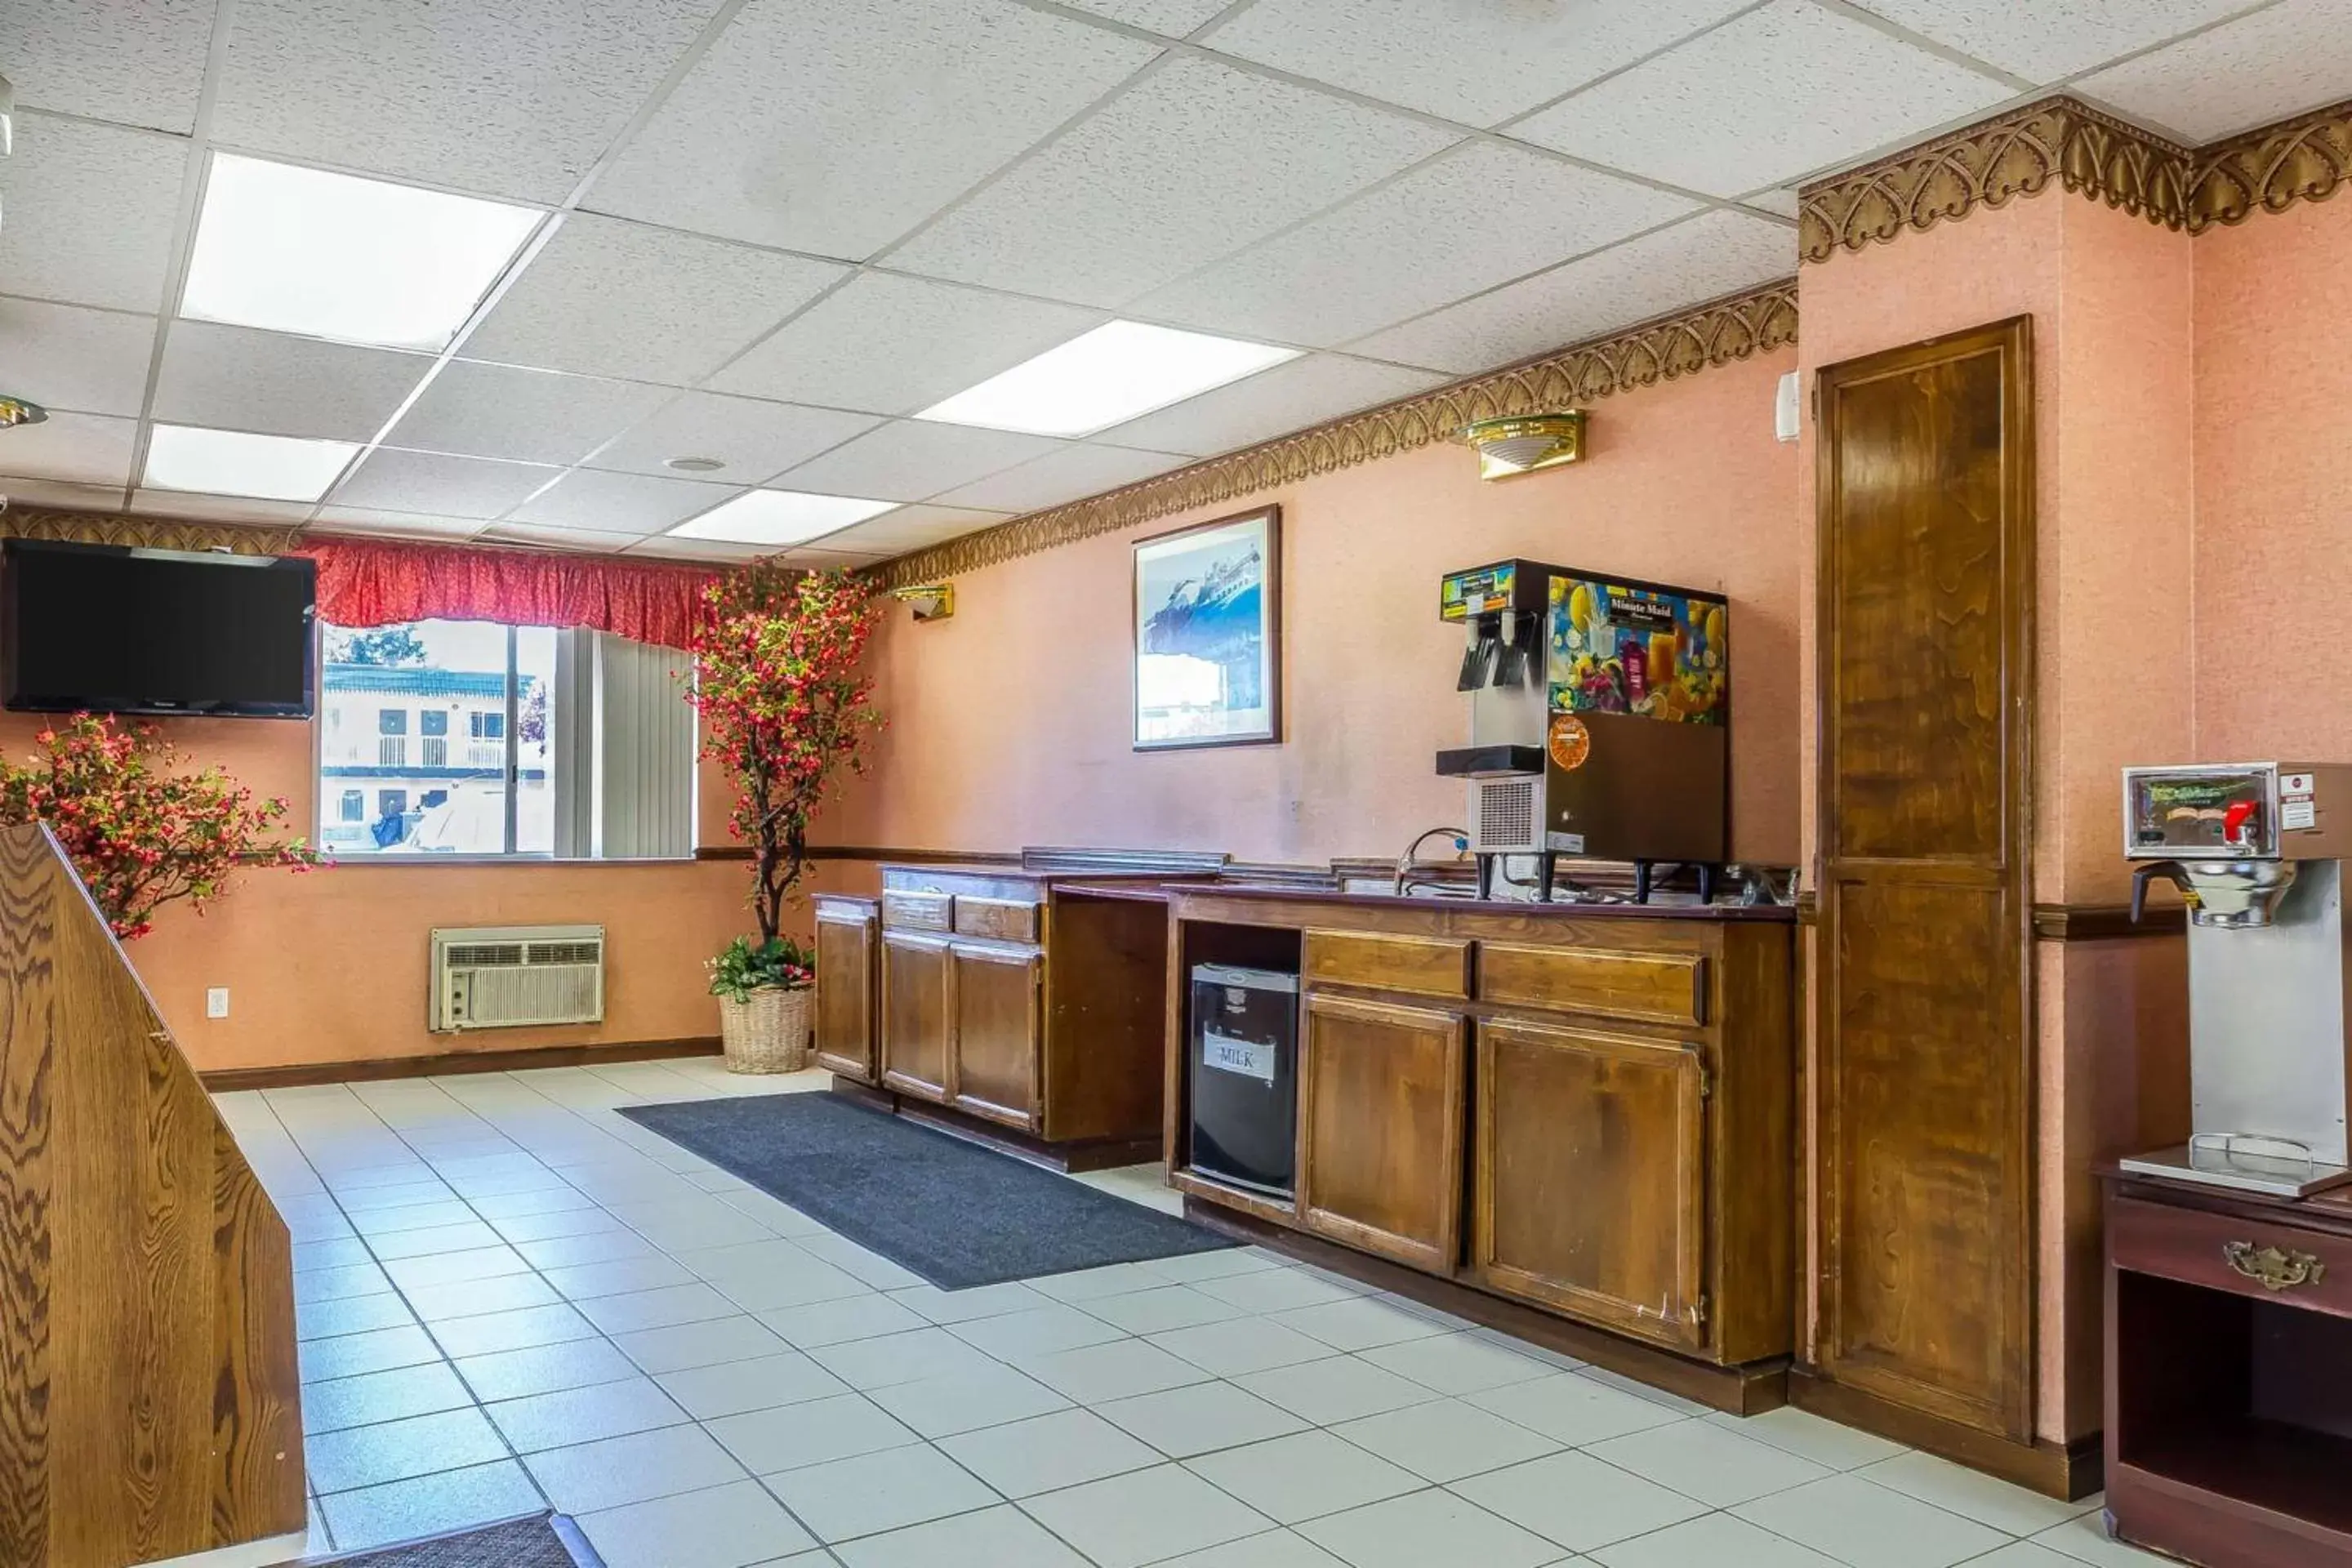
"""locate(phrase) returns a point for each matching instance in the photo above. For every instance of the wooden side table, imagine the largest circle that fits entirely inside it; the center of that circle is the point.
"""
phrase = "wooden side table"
(2228, 1417)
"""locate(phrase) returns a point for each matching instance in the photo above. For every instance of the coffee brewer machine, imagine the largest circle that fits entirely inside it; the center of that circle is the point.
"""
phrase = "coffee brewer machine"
(1599, 710)
(2256, 850)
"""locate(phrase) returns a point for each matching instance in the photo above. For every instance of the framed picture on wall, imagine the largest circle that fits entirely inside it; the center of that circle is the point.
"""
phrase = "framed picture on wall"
(1208, 634)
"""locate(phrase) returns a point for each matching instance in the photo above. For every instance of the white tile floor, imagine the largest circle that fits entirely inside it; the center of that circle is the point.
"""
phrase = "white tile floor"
(511, 1296)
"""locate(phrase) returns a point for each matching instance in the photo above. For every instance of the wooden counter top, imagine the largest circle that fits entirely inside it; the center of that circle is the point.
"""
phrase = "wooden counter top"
(1770, 913)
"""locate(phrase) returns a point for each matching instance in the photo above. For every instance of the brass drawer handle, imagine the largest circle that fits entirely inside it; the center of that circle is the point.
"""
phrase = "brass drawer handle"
(2272, 1268)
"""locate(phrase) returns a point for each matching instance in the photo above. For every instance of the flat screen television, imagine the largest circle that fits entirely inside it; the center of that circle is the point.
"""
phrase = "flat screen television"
(113, 629)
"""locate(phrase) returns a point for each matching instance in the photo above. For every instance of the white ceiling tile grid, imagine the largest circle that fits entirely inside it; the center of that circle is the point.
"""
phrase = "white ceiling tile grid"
(76, 448)
(913, 460)
(1474, 61)
(912, 528)
(594, 541)
(238, 378)
(135, 62)
(1716, 253)
(2050, 39)
(217, 509)
(1476, 217)
(2294, 56)
(1290, 396)
(394, 524)
(392, 480)
(533, 416)
(1168, 18)
(1071, 474)
(620, 503)
(89, 213)
(896, 344)
(750, 439)
(1189, 164)
(714, 552)
(64, 356)
(508, 97)
(605, 296)
(1764, 99)
(835, 128)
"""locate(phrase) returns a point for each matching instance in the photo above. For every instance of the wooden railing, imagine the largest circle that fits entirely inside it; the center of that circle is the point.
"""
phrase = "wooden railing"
(150, 1406)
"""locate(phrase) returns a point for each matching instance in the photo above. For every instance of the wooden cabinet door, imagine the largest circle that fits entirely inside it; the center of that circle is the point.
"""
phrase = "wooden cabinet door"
(1382, 1091)
(1590, 1177)
(998, 1048)
(917, 1015)
(845, 960)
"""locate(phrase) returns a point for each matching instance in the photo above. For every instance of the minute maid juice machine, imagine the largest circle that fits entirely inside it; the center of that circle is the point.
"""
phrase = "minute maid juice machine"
(1599, 713)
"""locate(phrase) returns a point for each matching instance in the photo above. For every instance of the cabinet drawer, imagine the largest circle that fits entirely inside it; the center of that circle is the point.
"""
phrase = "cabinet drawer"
(1655, 987)
(919, 912)
(1007, 920)
(1432, 966)
(2294, 1267)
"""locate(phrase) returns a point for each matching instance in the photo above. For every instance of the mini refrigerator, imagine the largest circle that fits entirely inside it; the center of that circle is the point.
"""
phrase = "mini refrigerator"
(1242, 1064)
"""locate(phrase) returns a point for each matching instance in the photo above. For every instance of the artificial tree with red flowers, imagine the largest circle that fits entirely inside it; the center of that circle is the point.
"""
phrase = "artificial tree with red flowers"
(140, 830)
(786, 705)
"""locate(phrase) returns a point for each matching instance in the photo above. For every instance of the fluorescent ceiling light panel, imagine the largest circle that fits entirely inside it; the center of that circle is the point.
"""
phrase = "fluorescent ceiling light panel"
(1104, 377)
(779, 517)
(234, 463)
(335, 256)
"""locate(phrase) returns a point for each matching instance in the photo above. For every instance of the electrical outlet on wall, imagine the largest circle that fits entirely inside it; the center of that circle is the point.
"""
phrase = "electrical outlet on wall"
(216, 1002)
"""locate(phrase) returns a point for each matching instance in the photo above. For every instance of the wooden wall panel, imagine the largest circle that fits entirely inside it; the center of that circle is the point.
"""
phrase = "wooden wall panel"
(1925, 1094)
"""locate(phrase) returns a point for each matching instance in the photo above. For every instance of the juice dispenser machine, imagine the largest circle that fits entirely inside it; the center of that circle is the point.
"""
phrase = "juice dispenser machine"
(2256, 850)
(1600, 711)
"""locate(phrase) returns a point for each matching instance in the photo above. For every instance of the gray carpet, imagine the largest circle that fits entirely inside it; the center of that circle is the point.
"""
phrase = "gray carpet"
(543, 1541)
(954, 1213)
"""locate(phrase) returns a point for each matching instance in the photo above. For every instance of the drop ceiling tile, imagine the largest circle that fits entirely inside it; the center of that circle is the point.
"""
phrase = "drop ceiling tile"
(516, 99)
(65, 356)
(1272, 402)
(1470, 60)
(1782, 201)
(1169, 18)
(896, 344)
(240, 378)
(218, 509)
(816, 559)
(89, 212)
(581, 539)
(1174, 174)
(611, 298)
(836, 128)
(392, 524)
(137, 62)
(79, 449)
(528, 415)
(390, 480)
(717, 551)
(914, 459)
(1474, 218)
(754, 439)
(621, 503)
(59, 492)
(2050, 39)
(1762, 100)
(914, 528)
(1072, 474)
(2261, 68)
(1714, 253)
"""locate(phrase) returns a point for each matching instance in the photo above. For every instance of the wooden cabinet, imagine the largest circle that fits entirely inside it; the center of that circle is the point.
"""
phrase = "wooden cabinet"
(1590, 1175)
(847, 968)
(918, 1009)
(996, 992)
(1380, 1126)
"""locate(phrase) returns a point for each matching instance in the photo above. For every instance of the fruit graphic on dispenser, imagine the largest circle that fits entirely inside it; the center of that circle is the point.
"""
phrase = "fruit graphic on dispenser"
(1579, 606)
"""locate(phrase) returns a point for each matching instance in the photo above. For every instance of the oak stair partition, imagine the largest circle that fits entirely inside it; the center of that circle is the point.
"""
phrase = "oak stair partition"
(150, 1404)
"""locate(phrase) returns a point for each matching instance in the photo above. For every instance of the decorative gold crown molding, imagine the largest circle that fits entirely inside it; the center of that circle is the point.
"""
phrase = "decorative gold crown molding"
(2064, 142)
(1672, 346)
(147, 532)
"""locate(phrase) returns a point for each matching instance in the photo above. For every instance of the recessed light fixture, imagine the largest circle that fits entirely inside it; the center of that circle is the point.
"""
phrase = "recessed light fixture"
(235, 463)
(335, 256)
(693, 465)
(780, 517)
(1104, 377)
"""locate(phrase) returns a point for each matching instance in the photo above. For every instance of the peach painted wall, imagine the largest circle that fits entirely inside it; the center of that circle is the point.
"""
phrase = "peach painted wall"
(329, 966)
(1010, 722)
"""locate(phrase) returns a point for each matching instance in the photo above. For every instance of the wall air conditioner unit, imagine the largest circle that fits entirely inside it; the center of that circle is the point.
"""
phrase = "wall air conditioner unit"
(493, 977)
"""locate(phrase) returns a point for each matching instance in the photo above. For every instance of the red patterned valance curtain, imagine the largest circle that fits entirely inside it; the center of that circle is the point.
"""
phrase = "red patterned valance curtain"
(364, 582)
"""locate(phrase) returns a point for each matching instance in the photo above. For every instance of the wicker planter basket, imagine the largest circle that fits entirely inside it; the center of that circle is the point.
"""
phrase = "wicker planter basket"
(768, 1033)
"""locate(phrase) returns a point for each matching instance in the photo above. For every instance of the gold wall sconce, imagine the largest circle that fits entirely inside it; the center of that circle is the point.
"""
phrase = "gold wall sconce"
(20, 411)
(929, 601)
(1525, 443)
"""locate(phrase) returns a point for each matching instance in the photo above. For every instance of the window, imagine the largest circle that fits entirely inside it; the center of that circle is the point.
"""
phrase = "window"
(529, 741)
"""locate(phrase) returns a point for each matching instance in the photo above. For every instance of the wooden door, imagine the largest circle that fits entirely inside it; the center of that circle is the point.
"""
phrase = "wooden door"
(997, 1044)
(1925, 1144)
(1590, 1177)
(846, 958)
(918, 1013)
(1380, 1127)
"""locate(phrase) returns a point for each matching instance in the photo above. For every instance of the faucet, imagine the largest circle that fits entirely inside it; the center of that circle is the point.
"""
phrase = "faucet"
(1405, 861)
